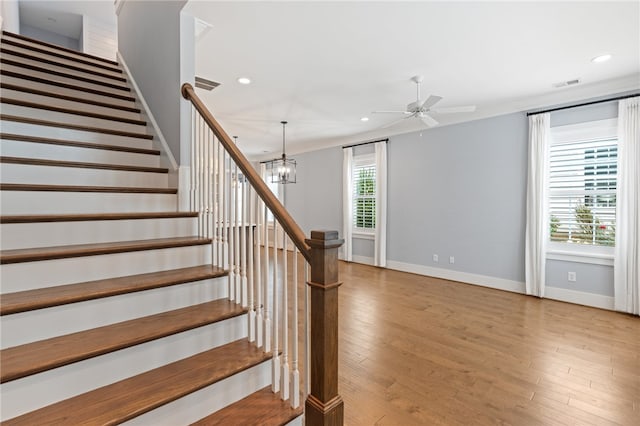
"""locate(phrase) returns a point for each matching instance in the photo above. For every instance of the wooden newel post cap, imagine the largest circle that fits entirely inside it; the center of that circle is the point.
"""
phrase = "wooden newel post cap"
(324, 240)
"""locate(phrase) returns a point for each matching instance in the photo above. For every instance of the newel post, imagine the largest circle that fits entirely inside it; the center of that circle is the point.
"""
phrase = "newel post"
(323, 405)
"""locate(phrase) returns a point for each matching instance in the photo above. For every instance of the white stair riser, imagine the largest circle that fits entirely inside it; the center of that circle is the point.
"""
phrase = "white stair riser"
(66, 80)
(80, 120)
(35, 202)
(27, 327)
(58, 68)
(58, 60)
(44, 151)
(48, 234)
(200, 404)
(37, 130)
(49, 273)
(50, 175)
(50, 88)
(73, 105)
(27, 394)
(25, 44)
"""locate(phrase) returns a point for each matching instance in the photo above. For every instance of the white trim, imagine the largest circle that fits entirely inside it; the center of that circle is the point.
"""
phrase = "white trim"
(363, 235)
(363, 259)
(579, 297)
(584, 132)
(464, 277)
(592, 259)
(147, 110)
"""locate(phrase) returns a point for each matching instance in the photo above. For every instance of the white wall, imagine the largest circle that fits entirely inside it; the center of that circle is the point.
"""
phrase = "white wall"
(10, 16)
(149, 42)
(99, 38)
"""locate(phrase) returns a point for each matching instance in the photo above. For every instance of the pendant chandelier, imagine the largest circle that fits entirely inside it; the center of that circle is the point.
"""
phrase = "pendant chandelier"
(282, 170)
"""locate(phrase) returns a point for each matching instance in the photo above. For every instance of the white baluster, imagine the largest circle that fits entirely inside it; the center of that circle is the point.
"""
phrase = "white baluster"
(236, 236)
(221, 210)
(258, 252)
(230, 223)
(295, 373)
(266, 286)
(284, 375)
(251, 273)
(242, 244)
(192, 167)
(201, 179)
(307, 319)
(275, 378)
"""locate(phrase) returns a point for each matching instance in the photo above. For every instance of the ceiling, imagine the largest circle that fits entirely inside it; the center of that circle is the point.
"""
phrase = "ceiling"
(324, 65)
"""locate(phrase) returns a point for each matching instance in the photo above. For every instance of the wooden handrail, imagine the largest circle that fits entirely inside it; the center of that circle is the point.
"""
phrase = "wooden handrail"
(279, 212)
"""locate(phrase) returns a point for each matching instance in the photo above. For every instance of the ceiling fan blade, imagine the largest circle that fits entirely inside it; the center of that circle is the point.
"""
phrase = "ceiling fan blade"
(428, 120)
(393, 123)
(447, 110)
(430, 101)
(391, 112)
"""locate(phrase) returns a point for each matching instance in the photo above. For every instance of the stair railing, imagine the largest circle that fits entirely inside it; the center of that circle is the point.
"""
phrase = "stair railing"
(235, 209)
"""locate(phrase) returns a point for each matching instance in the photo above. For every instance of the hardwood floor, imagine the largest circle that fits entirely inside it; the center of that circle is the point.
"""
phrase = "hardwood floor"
(423, 351)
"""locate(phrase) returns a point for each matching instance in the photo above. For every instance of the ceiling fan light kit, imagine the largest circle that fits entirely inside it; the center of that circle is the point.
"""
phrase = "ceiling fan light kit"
(420, 109)
(282, 170)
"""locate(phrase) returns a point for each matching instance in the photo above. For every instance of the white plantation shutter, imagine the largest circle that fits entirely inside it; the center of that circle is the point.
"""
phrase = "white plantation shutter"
(364, 195)
(582, 184)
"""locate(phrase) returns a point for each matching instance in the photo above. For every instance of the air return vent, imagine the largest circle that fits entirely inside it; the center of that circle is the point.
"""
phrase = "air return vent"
(567, 83)
(205, 84)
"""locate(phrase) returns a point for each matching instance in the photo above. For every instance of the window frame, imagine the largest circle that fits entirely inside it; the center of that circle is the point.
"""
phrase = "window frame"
(359, 161)
(586, 131)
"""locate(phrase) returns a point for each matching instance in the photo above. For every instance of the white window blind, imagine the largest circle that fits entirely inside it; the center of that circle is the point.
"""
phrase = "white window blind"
(582, 186)
(364, 194)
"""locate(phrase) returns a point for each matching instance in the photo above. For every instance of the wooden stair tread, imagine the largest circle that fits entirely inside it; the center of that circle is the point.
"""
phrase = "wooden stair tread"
(81, 250)
(83, 165)
(129, 398)
(65, 97)
(261, 408)
(39, 105)
(80, 127)
(90, 80)
(89, 145)
(7, 50)
(41, 80)
(31, 358)
(77, 188)
(71, 53)
(12, 303)
(93, 217)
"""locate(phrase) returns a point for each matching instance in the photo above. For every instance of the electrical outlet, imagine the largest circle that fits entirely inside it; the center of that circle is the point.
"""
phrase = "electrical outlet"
(435, 257)
(452, 259)
(571, 276)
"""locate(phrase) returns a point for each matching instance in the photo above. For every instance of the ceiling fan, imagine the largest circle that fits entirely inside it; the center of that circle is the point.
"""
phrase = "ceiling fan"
(420, 109)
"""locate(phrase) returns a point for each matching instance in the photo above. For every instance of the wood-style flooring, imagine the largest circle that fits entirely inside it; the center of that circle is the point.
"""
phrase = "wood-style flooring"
(416, 350)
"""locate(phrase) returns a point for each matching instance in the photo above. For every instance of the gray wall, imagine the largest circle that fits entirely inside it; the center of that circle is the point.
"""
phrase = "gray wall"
(457, 191)
(50, 37)
(149, 42)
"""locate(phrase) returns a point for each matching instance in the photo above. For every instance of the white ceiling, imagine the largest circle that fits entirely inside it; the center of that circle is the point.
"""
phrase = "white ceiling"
(324, 65)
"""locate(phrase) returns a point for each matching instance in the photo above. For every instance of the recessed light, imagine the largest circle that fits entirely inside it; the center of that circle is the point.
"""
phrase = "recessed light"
(364, 119)
(601, 58)
(244, 80)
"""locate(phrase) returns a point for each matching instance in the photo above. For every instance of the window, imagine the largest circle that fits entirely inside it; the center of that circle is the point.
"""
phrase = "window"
(364, 194)
(582, 185)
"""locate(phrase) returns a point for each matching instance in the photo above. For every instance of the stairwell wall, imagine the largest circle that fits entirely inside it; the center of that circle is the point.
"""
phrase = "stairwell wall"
(149, 42)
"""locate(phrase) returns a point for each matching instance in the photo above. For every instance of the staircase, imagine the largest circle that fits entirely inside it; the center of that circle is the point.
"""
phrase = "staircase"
(111, 309)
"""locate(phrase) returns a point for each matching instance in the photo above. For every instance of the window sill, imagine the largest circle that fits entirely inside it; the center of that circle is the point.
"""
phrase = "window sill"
(580, 257)
(363, 235)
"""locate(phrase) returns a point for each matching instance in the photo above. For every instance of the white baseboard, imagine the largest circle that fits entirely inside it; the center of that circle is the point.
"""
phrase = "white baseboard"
(166, 151)
(363, 259)
(464, 277)
(579, 297)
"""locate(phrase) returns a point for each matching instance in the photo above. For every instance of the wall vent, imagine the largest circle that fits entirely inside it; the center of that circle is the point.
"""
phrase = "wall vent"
(205, 84)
